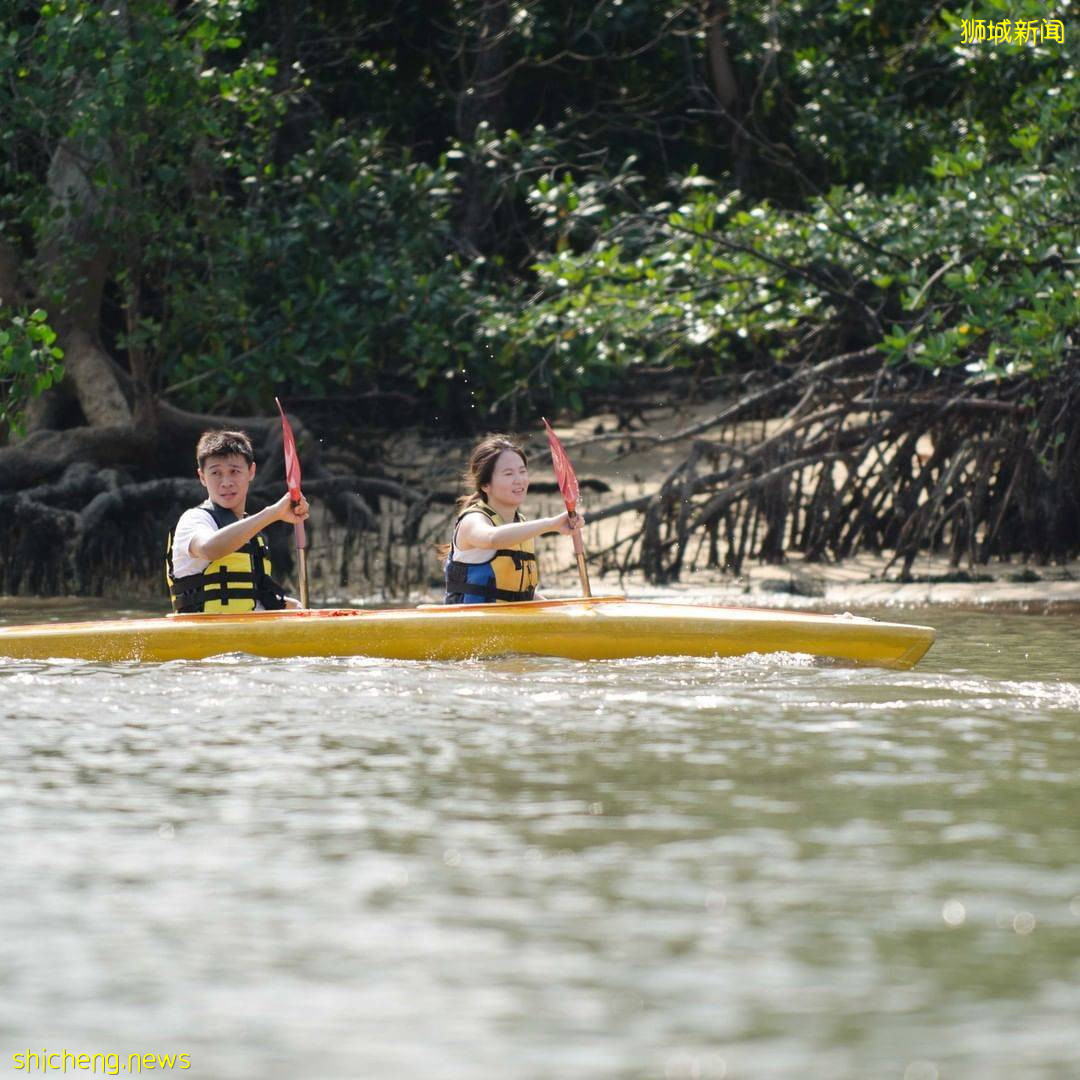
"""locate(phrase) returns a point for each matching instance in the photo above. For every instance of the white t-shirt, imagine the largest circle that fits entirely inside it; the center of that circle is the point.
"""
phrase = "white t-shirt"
(195, 523)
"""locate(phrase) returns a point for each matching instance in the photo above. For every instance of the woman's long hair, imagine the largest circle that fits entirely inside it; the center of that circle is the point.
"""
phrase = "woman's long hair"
(479, 471)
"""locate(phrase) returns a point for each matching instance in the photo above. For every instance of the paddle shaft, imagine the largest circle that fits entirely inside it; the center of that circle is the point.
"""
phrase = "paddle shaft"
(579, 554)
(301, 555)
(301, 558)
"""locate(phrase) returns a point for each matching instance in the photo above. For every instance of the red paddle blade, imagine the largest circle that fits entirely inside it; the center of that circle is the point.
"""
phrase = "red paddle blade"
(292, 462)
(564, 471)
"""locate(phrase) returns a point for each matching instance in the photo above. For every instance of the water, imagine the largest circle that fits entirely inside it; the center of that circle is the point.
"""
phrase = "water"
(544, 869)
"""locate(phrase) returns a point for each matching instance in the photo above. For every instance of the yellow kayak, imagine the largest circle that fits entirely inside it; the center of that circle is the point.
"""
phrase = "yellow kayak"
(600, 628)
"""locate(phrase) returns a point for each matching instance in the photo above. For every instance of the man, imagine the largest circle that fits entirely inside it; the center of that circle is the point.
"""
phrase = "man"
(216, 558)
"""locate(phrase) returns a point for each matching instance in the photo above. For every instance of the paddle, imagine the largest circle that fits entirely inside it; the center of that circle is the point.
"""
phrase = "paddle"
(568, 485)
(292, 480)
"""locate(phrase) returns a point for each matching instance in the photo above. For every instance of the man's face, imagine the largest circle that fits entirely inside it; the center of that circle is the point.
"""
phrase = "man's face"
(227, 479)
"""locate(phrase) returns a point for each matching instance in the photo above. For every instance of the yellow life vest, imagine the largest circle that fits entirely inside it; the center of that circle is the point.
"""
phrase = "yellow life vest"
(509, 575)
(231, 584)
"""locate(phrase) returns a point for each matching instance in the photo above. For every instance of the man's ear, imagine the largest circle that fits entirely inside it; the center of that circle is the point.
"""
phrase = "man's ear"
(202, 479)
(251, 472)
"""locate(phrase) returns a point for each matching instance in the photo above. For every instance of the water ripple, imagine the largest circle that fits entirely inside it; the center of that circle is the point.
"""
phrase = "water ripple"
(759, 866)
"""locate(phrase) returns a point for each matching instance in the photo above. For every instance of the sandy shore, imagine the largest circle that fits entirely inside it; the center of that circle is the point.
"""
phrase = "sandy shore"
(379, 569)
(857, 582)
(630, 466)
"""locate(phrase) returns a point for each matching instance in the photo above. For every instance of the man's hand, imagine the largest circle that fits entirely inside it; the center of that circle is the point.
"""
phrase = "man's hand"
(285, 511)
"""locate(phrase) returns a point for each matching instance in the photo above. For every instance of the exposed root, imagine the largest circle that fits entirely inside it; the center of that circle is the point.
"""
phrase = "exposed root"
(838, 458)
(877, 460)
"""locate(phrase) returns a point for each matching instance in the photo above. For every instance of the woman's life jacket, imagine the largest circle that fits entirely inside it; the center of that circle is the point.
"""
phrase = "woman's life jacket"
(231, 584)
(509, 575)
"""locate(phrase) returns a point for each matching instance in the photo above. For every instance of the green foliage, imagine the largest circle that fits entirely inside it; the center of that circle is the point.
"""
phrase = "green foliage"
(971, 265)
(867, 92)
(325, 206)
(977, 270)
(30, 362)
(339, 276)
(155, 119)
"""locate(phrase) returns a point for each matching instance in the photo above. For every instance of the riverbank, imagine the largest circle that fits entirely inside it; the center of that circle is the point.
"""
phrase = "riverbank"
(861, 581)
(615, 466)
(395, 563)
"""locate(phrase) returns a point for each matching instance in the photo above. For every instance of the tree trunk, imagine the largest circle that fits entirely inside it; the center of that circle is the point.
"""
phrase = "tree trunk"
(723, 75)
(11, 294)
(480, 100)
(73, 266)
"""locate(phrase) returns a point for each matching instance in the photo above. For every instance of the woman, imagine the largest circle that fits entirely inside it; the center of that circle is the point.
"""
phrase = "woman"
(490, 558)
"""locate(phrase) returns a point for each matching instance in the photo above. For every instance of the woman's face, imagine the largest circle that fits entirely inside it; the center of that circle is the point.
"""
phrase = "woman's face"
(509, 481)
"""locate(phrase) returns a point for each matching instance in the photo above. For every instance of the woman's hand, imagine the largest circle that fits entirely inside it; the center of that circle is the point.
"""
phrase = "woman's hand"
(566, 522)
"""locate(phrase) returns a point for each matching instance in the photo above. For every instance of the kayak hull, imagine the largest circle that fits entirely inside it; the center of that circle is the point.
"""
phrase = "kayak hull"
(601, 628)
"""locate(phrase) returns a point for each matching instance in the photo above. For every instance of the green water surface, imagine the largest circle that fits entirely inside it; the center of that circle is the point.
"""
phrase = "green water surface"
(760, 867)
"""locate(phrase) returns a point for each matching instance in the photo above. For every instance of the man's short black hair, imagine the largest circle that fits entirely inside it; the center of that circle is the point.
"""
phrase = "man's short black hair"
(222, 444)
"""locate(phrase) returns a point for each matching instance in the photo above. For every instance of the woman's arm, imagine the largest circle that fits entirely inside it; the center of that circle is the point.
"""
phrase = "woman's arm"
(475, 531)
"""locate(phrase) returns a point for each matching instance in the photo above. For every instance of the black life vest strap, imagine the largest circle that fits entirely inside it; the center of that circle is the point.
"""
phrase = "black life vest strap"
(519, 557)
(490, 593)
(191, 595)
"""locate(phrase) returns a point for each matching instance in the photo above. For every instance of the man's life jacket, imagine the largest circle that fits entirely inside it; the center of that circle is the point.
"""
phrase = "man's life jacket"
(509, 575)
(230, 584)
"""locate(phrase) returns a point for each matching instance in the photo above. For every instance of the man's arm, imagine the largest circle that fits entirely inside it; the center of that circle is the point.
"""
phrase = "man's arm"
(233, 537)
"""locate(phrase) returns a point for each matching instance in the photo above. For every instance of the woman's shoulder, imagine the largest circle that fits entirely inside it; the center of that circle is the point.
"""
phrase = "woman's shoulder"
(477, 507)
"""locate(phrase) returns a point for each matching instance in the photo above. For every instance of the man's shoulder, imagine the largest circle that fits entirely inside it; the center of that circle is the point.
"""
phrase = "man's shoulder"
(197, 517)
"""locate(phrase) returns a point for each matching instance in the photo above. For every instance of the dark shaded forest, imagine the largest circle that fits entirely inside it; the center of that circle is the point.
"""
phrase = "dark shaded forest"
(850, 229)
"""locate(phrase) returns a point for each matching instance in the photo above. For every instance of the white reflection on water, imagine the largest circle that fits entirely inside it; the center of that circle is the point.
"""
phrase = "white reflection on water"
(529, 868)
